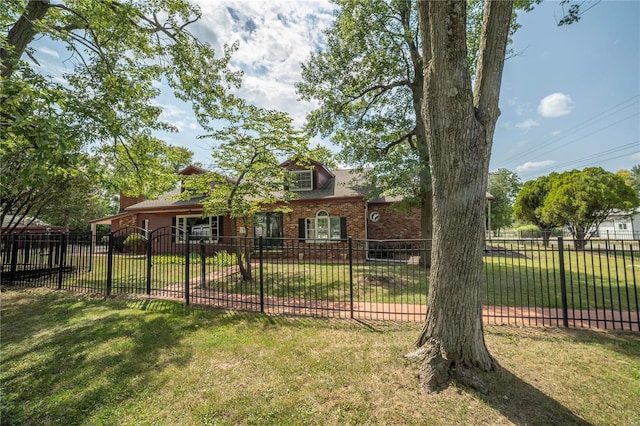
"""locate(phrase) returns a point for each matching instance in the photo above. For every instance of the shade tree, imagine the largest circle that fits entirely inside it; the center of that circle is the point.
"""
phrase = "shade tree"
(369, 82)
(582, 199)
(245, 178)
(529, 205)
(101, 99)
(504, 186)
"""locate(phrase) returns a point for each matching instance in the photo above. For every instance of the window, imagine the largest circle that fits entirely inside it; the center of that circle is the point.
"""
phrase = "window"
(269, 227)
(207, 229)
(622, 226)
(324, 227)
(302, 180)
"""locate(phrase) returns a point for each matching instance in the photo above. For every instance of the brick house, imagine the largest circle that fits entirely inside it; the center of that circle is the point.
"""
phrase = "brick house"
(331, 206)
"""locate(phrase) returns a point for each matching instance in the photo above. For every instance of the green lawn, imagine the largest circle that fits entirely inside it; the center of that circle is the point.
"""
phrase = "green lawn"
(80, 360)
(593, 278)
(130, 272)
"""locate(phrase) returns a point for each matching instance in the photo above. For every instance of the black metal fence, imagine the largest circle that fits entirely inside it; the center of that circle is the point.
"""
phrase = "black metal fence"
(525, 282)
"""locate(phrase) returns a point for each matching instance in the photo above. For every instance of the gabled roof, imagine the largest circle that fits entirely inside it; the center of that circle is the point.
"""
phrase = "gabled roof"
(192, 170)
(27, 222)
(341, 184)
(292, 165)
(168, 200)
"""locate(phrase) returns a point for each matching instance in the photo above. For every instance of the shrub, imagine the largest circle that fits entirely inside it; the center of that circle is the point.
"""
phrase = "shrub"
(532, 231)
(221, 259)
(135, 243)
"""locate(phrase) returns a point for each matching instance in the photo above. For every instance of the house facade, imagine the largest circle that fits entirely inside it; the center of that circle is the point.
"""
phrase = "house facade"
(331, 206)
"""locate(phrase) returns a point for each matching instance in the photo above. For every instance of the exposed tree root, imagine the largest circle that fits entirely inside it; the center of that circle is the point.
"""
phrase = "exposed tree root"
(436, 372)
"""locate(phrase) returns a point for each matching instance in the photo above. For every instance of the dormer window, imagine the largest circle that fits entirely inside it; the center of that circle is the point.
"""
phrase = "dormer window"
(302, 180)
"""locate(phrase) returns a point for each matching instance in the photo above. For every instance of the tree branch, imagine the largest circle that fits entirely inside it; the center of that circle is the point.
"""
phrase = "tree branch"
(494, 38)
(20, 35)
(408, 137)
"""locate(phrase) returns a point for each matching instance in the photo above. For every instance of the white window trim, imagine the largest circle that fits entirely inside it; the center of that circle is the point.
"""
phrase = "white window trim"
(296, 173)
(322, 215)
(182, 229)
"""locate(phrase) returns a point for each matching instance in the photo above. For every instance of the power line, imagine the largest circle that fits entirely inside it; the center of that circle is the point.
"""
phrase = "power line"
(599, 157)
(583, 126)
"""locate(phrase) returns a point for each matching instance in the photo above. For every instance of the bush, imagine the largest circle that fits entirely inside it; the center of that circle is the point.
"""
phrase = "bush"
(221, 259)
(532, 231)
(135, 243)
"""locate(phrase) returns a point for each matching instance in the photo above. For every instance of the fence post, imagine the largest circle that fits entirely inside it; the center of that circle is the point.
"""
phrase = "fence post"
(110, 263)
(351, 277)
(260, 253)
(14, 258)
(149, 259)
(203, 264)
(63, 253)
(187, 259)
(563, 283)
(51, 251)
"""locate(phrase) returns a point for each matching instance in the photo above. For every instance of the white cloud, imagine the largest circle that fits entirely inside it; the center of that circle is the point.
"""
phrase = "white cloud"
(530, 166)
(47, 51)
(527, 124)
(555, 105)
(274, 38)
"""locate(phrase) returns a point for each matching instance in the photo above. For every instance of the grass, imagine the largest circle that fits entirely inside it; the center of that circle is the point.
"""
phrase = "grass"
(600, 278)
(76, 359)
(130, 271)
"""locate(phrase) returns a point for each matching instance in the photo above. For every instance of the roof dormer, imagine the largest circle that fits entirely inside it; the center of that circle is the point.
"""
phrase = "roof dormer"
(307, 174)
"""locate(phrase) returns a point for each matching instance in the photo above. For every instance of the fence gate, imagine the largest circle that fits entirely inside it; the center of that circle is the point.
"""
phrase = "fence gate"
(147, 262)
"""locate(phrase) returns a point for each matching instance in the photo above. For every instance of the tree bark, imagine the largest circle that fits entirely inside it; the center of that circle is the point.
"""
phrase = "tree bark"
(21, 34)
(242, 256)
(460, 121)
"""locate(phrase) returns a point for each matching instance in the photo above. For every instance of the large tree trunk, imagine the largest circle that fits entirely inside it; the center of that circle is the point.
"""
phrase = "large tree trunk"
(426, 226)
(460, 121)
(21, 34)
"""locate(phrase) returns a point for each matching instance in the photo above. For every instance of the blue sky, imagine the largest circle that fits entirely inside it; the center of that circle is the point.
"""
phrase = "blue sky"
(570, 97)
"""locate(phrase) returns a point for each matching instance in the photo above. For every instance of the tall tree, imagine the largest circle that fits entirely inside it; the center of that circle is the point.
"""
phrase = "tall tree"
(460, 119)
(245, 179)
(118, 51)
(369, 82)
(529, 205)
(504, 185)
(582, 200)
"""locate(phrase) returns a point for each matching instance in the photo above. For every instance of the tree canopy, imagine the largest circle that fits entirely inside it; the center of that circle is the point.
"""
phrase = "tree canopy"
(582, 200)
(246, 178)
(632, 177)
(100, 103)
(369, 81)
(504, 185)
(579, 200)
(530, 201)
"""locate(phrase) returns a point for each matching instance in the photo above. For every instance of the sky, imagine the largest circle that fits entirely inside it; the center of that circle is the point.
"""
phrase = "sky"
(570, 95)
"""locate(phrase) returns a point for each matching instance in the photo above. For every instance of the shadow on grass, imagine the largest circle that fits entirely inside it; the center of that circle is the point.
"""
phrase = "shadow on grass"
(74, 359)
(523, 404)
(64, 356)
